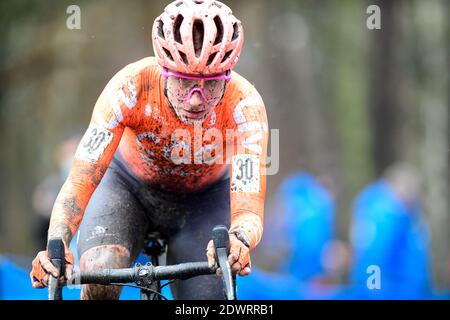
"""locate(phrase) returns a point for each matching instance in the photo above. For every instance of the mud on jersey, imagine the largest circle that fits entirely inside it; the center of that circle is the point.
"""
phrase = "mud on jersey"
(133, 115)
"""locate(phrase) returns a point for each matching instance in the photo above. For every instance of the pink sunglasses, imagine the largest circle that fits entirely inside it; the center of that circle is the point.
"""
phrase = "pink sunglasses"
(227, 76)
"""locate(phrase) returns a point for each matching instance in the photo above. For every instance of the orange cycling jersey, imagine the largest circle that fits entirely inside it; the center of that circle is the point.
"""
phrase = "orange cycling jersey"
(134, 116)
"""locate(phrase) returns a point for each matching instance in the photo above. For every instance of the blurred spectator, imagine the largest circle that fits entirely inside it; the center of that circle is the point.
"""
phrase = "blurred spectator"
(308, 212)
(389, 231)
(302, 228)
(45, 193)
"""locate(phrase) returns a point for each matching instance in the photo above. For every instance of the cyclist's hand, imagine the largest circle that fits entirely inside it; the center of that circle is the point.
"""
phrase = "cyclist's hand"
(239, 256)
(42, 267)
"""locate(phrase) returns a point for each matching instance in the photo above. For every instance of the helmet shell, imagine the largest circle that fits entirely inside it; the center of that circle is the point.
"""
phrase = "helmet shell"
(215, 46)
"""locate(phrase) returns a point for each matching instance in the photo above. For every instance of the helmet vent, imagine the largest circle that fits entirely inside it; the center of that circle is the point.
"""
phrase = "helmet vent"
(198, 33)
(176, 29)
(219, 27)
(168, 54)
(211, 58)
(235, 31)
(198, 1)
(226, 56)
(178, 4)
(183, 57)
(160, 29)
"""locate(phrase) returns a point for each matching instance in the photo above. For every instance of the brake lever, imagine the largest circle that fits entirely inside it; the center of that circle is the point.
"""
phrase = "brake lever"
(55, 249)
(222, 245)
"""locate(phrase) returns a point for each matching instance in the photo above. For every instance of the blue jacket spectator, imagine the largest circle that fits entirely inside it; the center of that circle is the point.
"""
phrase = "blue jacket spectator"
(389, 231)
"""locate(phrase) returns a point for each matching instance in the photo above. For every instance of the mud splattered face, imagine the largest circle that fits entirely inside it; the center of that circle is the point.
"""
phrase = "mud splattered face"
(193, 98)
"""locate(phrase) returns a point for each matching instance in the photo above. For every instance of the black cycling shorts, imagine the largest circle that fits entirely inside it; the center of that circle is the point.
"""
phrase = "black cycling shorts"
(124, 210)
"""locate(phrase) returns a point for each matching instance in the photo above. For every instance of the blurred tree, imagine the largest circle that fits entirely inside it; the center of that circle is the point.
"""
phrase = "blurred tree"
(409, 104)
(432, 26)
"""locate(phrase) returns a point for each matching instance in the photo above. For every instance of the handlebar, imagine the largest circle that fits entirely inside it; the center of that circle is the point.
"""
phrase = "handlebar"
(183, 271)
(105, 276)
(143, 274)
(147, 274)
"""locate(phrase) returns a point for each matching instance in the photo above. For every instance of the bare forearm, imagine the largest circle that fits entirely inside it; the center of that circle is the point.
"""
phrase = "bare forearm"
(60, 230)
(73, 198)
(66, 217)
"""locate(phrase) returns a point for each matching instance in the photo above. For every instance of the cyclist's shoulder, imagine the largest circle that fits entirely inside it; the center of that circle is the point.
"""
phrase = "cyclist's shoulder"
(145, 66)
(134, 78)
(245, 91)
(128, 84)
(243, 102)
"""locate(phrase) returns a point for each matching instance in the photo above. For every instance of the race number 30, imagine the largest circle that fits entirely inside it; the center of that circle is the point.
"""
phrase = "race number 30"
(93, 144)
(245, 173)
